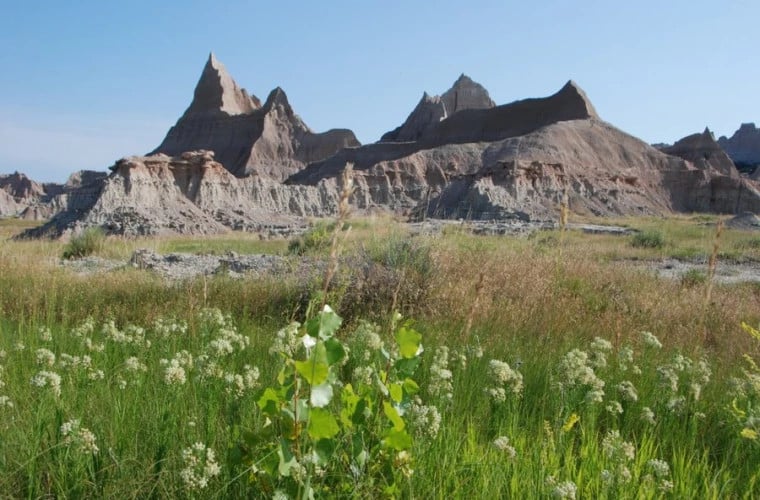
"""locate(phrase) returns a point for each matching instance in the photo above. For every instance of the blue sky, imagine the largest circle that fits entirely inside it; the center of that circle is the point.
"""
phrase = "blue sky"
(87, 82)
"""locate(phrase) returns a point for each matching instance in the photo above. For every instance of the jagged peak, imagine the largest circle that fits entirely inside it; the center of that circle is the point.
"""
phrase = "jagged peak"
(466, 93)
(217, 92)
(277, 97)
(572, 90)
(748, 126)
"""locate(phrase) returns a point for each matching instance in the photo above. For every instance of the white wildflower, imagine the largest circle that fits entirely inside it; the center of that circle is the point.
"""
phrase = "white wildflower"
(169, 327)
(174, 373)
(133, 364)
(647, 415)
(45, 357)
(625, 357)
(19, 346)
(614, 407)
(565, 490)
(504, 376)
(74, 434)
(286, 340)
(85, 329)
(48, 379)
(45, 334)
(424, 420)
(200, 466)
(599, 349)
(650, 340)
(5, 402)
(501, 443)
(440, 385)
(96, 375)
(628, 391)
(363, 375)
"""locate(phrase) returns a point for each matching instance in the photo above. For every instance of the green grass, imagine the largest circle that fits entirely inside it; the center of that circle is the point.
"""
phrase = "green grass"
(531, 309)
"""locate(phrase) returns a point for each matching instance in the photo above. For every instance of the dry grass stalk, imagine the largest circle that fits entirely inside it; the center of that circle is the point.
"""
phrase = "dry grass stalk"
(344, 210)
(711, 267)
(479, 286)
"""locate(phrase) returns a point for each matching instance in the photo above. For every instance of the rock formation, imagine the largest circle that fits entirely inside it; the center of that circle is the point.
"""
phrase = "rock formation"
(744, 146)
(518, 160)
(479, 161)
(246, 137)
(188, 194)
(464, 94)
(704, 153)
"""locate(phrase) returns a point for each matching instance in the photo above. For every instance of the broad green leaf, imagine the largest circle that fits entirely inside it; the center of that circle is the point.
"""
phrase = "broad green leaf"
(407, 367)
(411, 387)
(393, 416)
(349, 400)
(315, 369)
(397, 393)
(324, 325)
(397, 439)
(335, 351)
(408, 342)
(321, 395)
(269, 401)
(287, 460)
(302, 410)
(322, 425)
(325, 448)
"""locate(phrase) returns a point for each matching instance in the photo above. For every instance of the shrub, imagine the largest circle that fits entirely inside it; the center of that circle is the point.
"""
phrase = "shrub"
(315, 239)
(693, 277)
(86, 243)
(648, 239)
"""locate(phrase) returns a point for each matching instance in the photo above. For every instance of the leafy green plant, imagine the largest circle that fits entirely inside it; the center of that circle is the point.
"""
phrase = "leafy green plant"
(648, 239)
(316, 239)
(328, 430)
(86, 243)
(693, 277)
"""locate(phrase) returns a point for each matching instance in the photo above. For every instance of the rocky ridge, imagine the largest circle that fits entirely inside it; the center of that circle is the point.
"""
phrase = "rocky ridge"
(188, 194)
(743, 146)
(248, 138)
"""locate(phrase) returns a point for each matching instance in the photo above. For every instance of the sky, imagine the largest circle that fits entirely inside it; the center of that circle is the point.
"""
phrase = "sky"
(85, 83)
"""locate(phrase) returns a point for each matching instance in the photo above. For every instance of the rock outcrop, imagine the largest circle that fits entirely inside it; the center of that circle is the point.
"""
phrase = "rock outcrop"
(246, 137)
(188, 194)
(703, 151)
(518, 160)
(464, 94)
(744, 146)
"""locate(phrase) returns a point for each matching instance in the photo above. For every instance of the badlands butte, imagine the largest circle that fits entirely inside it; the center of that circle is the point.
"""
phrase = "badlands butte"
(233, 162)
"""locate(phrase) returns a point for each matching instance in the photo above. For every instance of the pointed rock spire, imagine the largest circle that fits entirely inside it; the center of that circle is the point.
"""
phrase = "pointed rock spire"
(466, 94)
(572, 93)
(217, 92)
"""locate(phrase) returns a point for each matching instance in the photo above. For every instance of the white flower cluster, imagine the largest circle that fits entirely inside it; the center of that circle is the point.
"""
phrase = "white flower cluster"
(131, 334)
(684, 373)
(566, 490)
(575, 370)
(424, 420)
(650, 340)
(133, 364)
(660, 473)
(238, 384)
(73, 363)
(169, 327)
(506, 379)
(625, 360)
(45, 334)
(45, 357)
(212, 317)
(200, 466)
(5, 401)
(501, 443)
(175, 369)
(647, 415)
(74, 434)
(362, 375)
(286, 342)
(628, 391)
(599, 350)
(620, 453)
(85, 329)
(48, 379)
(365, 341)
(440, 382)
(226, 341)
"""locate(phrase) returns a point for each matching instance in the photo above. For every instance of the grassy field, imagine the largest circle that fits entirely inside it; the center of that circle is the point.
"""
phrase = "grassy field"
(548, 367)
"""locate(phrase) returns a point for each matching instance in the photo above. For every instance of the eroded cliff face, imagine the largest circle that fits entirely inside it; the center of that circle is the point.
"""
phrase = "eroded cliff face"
(24, 198)
(744, 145)
(246, 137)
(518, 160)
(188, 194)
